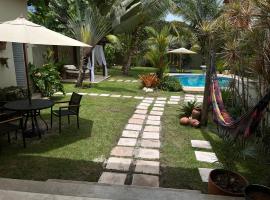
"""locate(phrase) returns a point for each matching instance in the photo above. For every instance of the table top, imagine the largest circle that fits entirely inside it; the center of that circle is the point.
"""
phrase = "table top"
(23, 105)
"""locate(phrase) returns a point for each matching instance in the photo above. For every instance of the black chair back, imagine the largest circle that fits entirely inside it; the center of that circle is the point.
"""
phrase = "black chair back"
(75, 100)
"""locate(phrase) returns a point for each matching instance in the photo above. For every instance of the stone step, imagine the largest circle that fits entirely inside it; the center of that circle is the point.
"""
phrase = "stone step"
(103, 191)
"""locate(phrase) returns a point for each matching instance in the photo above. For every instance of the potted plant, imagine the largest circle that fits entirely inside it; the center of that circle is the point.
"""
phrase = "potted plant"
(257, 192)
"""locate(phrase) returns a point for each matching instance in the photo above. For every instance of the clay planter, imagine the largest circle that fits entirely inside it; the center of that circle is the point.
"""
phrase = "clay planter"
(257, 192)
(218, 175)
(194, 123)
(196, 114)
(184, 121)
(3, 45)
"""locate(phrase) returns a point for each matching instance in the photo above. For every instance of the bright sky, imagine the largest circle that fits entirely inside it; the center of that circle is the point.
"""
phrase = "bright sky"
(170, 17)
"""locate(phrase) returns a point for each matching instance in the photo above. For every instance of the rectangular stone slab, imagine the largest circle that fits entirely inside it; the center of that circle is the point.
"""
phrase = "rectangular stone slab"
(147, 167)
(206, 156)
(112, 178)
(145, 180)
(201, 144)
(119, 164)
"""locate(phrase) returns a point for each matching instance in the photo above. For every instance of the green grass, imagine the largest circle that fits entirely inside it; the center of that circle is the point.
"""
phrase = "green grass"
(71, 154)
(179, 165)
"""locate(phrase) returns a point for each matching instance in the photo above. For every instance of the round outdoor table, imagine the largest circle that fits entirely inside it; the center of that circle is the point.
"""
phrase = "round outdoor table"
(32, 111)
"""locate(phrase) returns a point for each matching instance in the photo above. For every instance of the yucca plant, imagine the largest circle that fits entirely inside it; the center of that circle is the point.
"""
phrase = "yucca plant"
(149, 80)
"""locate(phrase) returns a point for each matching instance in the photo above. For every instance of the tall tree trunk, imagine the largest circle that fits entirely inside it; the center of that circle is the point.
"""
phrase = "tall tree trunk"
(81, 69)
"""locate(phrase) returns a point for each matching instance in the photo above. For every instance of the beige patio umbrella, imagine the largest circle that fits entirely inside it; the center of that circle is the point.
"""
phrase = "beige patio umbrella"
(181, 51)
(23, 31)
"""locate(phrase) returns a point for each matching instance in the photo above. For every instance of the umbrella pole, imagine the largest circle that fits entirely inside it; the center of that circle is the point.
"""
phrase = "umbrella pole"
(26, 72)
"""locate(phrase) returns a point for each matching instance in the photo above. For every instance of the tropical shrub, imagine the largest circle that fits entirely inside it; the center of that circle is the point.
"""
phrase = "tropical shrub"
(149, 80)
(12, 93)
(169, 83)
(188, 107)
(46, 79)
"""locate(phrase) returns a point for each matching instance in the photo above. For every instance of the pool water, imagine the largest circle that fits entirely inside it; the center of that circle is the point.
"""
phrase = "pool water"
(198, 80)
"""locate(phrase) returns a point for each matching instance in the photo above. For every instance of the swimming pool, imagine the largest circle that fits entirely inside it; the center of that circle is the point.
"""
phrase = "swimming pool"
(198, 80)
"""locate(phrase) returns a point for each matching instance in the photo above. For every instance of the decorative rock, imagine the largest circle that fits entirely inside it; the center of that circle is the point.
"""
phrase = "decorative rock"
(120, 164)
(153, 117)
(153, 122)
(130, 134)
(147, 167)
(150, 135)
(122, 151)
(135, 121)
(204, 173)
(206, 156)
(145, 180)
(130, 142)
(150, 143)
(137, 116)
(201, 144)
(134, 127)
(156, 113)
(140, 111)
(152, 154)
(152, 128)
(112, 178)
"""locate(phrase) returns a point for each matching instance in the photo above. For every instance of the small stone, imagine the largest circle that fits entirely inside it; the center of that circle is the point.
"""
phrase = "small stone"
(112, 178)
(147, 167)
(120, 164)
(158, 109)
(136, 121)
(156, 113)
(150, 135)
(150, 143)
(152, 128)
(206, 156)
(152, 154)
(137, 116)
(122, 151)
(134, 127)
(204, 173)
(201, 144)
(145, 180)
(140, 111)
(153, 122)
(154, 117)
(130, 142)
(130, 134)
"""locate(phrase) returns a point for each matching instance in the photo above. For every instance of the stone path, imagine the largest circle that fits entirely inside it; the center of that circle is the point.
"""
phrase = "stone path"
(192, 97)
(135, 159)
(125, 81)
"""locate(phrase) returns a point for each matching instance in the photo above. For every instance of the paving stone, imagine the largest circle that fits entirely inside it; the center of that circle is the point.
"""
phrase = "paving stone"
(150, 135)
(145, 180)
(201, 144)
(154, 117)
(142, 107)
(135, 81)
(138, 116)
(177, 100)
(58, 93)
(147, 167)
(122, 151)
(149, 98)
(147, 101)
(104, 95)
(69, 93)
(127, 81)
(128, 97)
(136, 97)
(135, 121)
(152, 128)
(152, 154)
(159, 105)
(130, 134)
(120, 164)
(129, 142)
(160, 102)
(139, 111)
(153, 112)
(111, 80)
(204, 173)
(158, 108)
(150, 143)
(134, 127)
(93, 94)
(206, 156)
(145, 104)
(161, 98)
(199, 96)
(112, 178)
(153, 122)
(172, 102)
(115, 95)
(82, 93)
(175, 97)
(119, 80)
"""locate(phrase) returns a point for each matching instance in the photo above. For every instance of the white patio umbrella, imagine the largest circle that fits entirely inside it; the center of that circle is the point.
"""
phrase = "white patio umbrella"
(23, 31)
(181, 51)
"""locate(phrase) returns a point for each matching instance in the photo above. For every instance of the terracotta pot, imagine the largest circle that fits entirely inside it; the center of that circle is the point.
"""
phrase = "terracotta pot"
(195, 123)
(3, 45)
(196, 114)
(184, 121)
(257, 192)
(215, 189)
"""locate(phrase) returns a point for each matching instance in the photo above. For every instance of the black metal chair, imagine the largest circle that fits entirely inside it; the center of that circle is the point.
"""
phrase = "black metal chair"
(72, 109)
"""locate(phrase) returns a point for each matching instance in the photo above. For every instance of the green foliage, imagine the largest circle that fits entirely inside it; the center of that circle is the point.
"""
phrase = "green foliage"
(170, 83)
(187, 107)
(46, 79)
(12, 93)
(110, 54)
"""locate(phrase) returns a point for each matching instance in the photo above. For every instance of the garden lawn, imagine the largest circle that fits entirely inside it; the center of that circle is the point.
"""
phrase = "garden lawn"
(178, 161)
(75, 154)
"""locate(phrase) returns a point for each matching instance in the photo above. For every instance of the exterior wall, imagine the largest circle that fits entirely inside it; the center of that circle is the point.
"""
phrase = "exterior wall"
(10, 10)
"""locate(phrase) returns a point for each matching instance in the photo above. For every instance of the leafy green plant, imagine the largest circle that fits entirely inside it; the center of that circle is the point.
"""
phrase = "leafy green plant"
(46, 79)
(169, 83)
(187, 107)
(227, 96)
